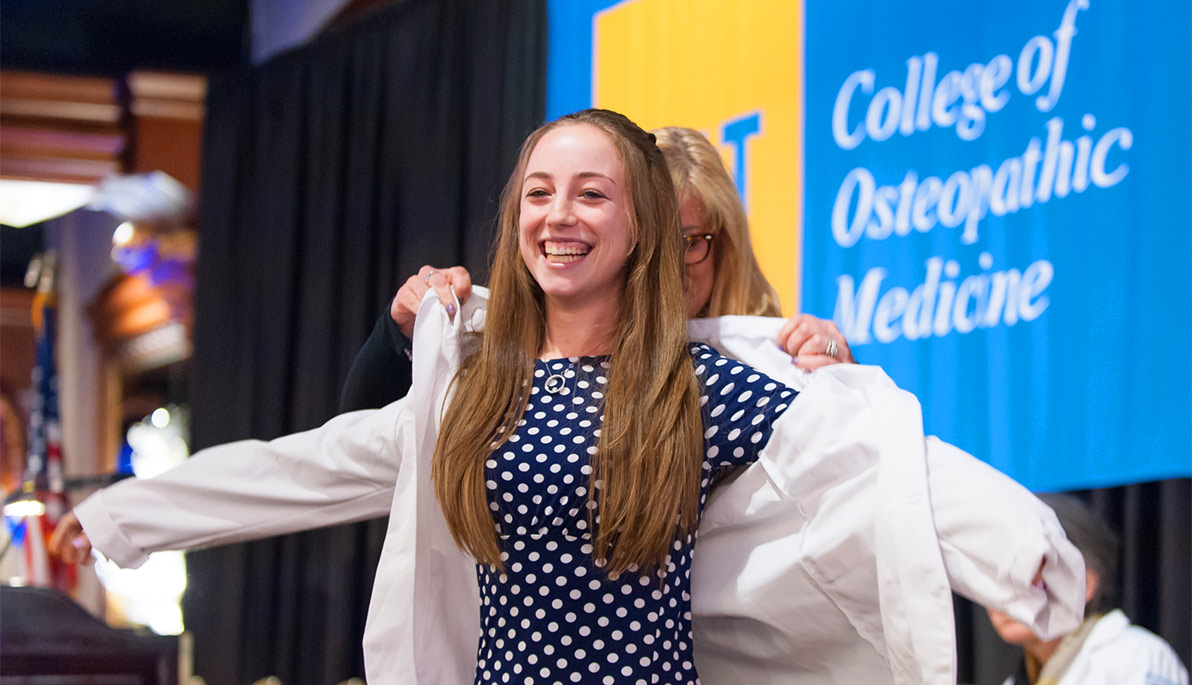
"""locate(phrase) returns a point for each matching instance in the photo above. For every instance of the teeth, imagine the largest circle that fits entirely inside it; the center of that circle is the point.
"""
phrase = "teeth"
(565, 253)
(567, 250)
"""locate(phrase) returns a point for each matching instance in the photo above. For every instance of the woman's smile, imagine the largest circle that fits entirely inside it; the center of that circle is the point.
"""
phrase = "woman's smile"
(565, 251)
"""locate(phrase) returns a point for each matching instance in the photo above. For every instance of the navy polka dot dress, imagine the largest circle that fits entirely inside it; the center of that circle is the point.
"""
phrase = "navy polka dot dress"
(553, 616)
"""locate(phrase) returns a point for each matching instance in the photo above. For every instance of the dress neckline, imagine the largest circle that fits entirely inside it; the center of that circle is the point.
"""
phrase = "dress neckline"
(573, 360)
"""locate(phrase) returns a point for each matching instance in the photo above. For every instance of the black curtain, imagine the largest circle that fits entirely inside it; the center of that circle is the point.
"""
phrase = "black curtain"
(331, 173)
(1154, 522)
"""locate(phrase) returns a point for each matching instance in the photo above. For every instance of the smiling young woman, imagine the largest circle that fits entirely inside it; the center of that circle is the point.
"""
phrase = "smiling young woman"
(577, 483)
(595, 179)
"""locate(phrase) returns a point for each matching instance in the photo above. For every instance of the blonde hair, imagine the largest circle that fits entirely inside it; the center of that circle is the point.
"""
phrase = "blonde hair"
(698, 173)
(649, 450)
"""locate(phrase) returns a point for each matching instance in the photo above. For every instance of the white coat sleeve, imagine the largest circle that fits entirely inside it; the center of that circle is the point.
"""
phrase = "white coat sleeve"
(341, 472)
(992, 533)
(995, 535)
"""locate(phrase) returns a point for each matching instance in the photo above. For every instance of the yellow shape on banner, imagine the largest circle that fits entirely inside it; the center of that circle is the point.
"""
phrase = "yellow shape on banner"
(705, 64)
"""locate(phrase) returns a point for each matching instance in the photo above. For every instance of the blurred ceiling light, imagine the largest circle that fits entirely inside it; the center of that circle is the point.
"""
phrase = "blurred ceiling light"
(24, 203)
(152, 196)
(160, 417)
(124, 234)
(159, 441)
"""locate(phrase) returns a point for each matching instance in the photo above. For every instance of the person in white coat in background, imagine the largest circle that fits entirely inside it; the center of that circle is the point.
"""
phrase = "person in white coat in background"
(829, 560)
(1106, 649)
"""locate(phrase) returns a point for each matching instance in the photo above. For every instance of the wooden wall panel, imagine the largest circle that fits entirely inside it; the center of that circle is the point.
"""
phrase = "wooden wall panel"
(61, 128)
(81, 129)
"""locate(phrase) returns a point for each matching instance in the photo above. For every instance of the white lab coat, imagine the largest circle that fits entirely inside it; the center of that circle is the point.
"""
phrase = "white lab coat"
(1118, 653)
(849, 509)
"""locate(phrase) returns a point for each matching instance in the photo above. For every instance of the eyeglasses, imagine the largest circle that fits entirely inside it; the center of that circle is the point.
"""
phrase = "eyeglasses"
(699, 246)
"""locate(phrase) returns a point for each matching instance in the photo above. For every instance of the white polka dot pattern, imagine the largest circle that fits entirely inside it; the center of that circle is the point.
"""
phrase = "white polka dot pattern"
(553, 616)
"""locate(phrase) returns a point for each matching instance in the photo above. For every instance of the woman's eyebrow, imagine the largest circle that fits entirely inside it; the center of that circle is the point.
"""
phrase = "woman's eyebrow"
(597, 174)
(583, 174)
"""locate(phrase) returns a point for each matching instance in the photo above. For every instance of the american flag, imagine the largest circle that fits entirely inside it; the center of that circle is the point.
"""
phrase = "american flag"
(43, 466)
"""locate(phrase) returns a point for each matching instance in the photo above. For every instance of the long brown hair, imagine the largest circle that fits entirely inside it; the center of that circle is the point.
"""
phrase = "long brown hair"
(648, 456)
(698, 172)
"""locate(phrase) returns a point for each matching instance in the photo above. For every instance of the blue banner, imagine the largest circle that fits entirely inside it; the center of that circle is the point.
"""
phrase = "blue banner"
(990, 199)
(997, 212)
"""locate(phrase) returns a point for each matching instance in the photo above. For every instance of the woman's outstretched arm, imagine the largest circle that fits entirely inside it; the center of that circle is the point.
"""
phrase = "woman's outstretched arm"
(341, 472)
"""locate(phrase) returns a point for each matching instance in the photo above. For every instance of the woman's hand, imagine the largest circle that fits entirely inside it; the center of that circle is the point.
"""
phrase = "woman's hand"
(404, 307)
(69, 543)
(809, 340)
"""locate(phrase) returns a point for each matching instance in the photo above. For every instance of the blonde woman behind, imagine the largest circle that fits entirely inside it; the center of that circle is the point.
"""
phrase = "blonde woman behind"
(729, 281)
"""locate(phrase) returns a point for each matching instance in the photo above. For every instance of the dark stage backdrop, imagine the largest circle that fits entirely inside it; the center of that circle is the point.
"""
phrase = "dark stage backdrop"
(331, 173)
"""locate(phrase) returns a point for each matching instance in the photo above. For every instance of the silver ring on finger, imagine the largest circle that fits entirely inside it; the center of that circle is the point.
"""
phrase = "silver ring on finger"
(832, 349)
(426, 278)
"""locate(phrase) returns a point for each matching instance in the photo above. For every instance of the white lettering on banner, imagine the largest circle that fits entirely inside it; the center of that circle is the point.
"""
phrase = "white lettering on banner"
(960, 99)
(1056, 168)
(942, 303)
(868, 207)
(1063, 41)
